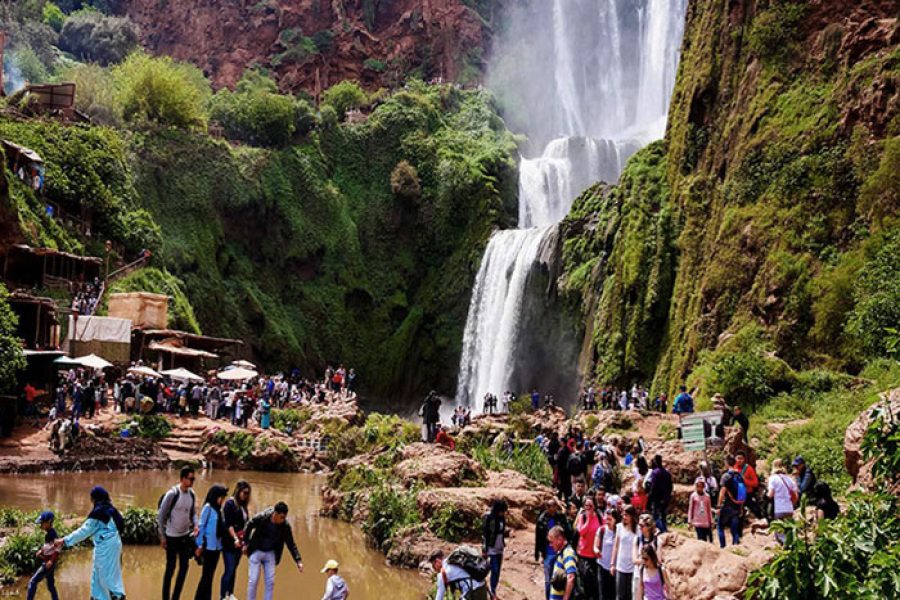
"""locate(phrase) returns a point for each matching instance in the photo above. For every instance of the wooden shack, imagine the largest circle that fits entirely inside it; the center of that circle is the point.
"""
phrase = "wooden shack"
(143, 309)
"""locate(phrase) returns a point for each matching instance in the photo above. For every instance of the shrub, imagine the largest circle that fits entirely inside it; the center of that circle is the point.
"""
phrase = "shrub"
(30, 66)
(96, 95)
(390, 510)
(152, 427)
(11, 358)
(255, 112)
(345, 96)
(54, 17)
(405, 182)
(528, 459)
(239, 443)
(451, 524)
(856, 555)
(774, 30)
(162, 92)
(373, 64)
(19, 551)
(160, 281)
(95, 37)
(877, 297)
(140, 526)
(289, 420)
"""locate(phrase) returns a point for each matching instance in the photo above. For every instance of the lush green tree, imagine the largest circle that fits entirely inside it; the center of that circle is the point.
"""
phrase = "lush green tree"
(255, 112)
(29, 65)
(161, 92)
(54, 17)
(11, 358)
(93, 36)
(345, 96)
(405, 181)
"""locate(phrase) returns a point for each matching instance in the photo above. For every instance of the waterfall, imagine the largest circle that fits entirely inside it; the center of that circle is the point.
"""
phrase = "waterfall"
(588, 82)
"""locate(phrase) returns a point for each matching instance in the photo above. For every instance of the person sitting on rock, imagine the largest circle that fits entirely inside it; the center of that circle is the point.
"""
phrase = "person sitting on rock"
(445, 439)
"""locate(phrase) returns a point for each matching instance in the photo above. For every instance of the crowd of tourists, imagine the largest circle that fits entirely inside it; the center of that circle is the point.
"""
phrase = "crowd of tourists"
(86, 297)
(222, 530)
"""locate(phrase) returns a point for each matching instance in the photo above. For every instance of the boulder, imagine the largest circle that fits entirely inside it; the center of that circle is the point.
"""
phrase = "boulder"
(525, 503)
(437, 466)
(412, 547)
(683, 465)
(701, 571)
(860, 471)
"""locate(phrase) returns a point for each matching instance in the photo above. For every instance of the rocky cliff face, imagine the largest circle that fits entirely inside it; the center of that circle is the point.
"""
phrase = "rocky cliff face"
(754, 219)
(312, 44)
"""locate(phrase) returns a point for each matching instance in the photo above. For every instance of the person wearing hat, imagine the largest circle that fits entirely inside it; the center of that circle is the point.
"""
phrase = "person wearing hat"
(48, 555)
(335, 588)
(806, 479)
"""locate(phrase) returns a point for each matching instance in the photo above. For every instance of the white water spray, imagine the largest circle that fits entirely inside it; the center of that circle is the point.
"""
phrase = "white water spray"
(590, 82)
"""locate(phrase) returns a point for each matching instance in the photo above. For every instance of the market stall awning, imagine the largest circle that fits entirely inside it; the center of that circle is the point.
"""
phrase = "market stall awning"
(144, 372)
(180, 350)
(92, 361)
(236, 374)
(182, 375)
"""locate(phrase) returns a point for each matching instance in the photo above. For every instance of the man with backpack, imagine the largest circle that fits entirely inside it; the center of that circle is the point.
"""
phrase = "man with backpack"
(751, 481)
(684, 403)
(659, 493)
(806, 479)
(177, 526)
(732, 496)
(463, 572)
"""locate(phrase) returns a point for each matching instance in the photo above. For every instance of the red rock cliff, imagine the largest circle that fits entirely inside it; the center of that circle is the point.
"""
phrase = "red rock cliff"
(373, 41)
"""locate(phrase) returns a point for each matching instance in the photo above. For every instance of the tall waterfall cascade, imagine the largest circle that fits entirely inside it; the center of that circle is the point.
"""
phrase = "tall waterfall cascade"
(588, 82)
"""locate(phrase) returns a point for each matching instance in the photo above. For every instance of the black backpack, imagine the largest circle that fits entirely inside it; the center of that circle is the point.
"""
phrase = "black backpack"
(172, 505)
(471, 561)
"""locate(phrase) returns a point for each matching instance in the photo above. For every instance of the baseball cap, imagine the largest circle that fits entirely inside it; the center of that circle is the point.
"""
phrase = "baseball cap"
(798, 461)
(331, 564)
(44, 517)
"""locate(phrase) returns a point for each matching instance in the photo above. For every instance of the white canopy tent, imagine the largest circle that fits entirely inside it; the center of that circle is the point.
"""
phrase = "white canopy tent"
(236, 374)
(92, 361)
(182, 374)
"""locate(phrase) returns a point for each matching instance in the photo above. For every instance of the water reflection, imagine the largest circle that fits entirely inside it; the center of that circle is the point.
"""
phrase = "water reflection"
(319, 538)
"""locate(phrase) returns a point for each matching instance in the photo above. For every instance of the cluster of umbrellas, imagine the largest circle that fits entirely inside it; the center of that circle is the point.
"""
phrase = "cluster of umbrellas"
(239, 370)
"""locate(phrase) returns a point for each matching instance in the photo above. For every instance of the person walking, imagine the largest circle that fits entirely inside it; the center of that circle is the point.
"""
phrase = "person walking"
(565, 569)
(751, 482)
(103, 525)
(732, 495)
(604, 543)
(700, 514)
(209, 539)
(623, 557)
(684, 403)
(48, 555)
(660, 493)
(806, 479)
(783, 493)
(587, 524)
(335, 587)
(265, 537)
(543, 550)
(176, 523)
(653, 583)
(234, 512)
(494, 534)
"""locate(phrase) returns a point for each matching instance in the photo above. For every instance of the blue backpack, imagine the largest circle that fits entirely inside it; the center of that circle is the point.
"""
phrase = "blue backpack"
(739, 488)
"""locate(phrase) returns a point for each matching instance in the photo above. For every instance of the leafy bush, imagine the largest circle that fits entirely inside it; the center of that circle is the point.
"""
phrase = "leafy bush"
(774, 31)
(161, 92)
(743, 370)
(345, 96)
(452, 524)
(11, 358)
(94, 37)
(96, 95)
(19, 551)
(256, 113)
(390, 510)
(877, 297)
(153, 427)
(289, 420)
(239, 443)
(13, 518)
(159, 281)
(881, 445)
(54, 17)
(140, 526)
(373, 64)
(405, 181)
(854, 556)
(30, 65)
(527, 459)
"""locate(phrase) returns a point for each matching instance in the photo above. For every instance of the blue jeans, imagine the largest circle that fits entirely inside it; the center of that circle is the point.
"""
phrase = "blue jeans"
(659, 515)
(230, 559)
(549, 563)
(733, 522)
(266, 561)
(42, 574)
(496, 561)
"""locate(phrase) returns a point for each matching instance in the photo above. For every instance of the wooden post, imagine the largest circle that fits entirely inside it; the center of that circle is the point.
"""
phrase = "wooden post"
(37, 326)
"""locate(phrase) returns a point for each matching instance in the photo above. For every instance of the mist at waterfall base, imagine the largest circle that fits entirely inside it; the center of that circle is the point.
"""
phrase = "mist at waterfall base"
(588, 82)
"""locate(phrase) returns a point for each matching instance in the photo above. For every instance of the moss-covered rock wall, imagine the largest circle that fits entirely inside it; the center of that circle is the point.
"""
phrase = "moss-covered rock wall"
(774, 189)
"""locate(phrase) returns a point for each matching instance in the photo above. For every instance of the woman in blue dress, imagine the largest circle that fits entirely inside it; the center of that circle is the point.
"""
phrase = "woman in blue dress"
(103, 525)
(264, 413)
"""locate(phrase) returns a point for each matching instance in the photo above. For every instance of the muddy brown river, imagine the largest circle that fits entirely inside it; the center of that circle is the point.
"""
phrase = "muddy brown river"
(319, 538)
